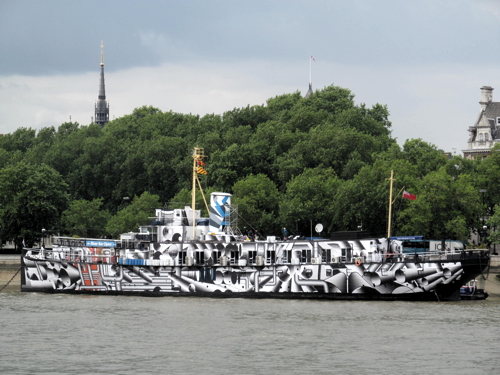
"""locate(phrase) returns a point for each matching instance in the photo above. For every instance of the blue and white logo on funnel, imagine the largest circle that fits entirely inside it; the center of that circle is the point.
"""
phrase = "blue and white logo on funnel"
(220, 204)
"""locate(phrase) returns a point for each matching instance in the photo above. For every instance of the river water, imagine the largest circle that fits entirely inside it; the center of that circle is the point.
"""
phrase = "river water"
(81, 334)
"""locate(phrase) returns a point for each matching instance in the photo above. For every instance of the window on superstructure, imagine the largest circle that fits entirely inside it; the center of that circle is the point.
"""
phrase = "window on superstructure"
(271, 256)
(199, 257)
(306, 256)
(326, 256)
(182, 257)
(235, 256)
(251, 256)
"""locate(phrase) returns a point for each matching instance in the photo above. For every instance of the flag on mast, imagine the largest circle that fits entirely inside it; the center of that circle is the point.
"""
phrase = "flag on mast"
(409, 196)
(201, 170)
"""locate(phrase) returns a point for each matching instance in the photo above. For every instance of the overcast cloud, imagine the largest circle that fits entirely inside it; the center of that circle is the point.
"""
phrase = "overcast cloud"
(425, 60)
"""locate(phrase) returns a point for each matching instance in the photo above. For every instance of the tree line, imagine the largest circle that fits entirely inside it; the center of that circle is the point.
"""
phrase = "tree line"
(290, 162)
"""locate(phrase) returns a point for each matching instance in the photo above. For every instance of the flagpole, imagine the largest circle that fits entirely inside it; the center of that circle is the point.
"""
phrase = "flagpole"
(310, 70)
(390, 206)
(193, 193)
(198, 155)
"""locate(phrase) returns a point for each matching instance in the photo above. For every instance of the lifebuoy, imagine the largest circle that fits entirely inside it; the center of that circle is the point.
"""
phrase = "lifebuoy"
(358, 262)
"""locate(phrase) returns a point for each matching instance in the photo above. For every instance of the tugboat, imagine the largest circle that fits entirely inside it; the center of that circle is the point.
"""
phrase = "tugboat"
(182, 254)
(470, 291)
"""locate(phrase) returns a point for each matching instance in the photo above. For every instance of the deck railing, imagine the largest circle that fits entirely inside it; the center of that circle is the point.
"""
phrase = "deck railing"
(110, 255)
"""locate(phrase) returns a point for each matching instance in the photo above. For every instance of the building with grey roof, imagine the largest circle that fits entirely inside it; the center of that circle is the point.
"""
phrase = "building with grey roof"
(485, 132)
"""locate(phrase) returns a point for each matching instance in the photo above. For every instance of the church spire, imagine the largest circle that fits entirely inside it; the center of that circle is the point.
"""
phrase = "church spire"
(102, 106)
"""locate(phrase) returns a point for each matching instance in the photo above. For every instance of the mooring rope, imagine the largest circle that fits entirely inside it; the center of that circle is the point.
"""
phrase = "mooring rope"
(12, 278)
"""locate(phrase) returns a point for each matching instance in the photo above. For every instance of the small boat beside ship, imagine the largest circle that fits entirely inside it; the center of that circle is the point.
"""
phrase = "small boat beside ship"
(179, 253)
(470, 291)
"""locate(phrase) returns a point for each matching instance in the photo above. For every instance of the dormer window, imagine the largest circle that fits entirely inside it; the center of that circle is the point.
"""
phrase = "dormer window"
(486, 137)
(498, 120)
(480, 137)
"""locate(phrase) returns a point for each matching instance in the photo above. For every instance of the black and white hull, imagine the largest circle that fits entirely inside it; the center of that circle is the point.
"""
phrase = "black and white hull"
(182, 254)
(269, 270)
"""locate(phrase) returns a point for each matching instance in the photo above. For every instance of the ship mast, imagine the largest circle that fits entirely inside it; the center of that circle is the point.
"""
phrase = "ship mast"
(198, 156)
(390, 206)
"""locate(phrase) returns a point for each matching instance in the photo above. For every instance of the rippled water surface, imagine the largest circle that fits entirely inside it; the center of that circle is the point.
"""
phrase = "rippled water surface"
(77, 334)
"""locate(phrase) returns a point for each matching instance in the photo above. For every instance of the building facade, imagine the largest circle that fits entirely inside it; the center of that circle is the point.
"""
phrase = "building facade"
(485, 133)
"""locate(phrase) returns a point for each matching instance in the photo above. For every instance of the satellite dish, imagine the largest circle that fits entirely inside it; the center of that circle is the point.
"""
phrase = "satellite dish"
(318, 228)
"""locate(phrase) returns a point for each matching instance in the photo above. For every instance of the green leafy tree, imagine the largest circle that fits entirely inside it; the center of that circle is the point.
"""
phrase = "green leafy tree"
(487, 177)
(257, 198)
(362, 201)
(149, 150)
(85, 218)
(308, 198)
(446, 208)
(494, 226)
(21, 140)
(32, 198)
(135, 214)
(425, 156)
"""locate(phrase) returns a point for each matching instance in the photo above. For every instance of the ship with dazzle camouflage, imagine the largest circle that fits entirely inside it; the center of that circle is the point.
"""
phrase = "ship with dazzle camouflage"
(179, 253)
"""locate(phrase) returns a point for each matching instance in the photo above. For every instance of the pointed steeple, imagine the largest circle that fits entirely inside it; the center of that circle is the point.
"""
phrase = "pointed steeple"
(310, 91)
(102, 106)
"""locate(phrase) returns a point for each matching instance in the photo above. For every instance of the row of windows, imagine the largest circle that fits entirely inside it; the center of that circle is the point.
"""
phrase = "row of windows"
(485, 137)
(270, 258)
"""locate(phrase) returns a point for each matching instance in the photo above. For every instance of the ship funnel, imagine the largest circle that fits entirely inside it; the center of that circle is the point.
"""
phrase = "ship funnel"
(220, 204)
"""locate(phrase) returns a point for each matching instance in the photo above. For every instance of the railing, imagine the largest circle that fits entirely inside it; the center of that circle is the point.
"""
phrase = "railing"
(452, 255)
(84, 254)
(73, 255)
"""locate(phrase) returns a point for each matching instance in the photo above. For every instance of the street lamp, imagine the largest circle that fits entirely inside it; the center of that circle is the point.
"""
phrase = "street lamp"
(43, 237)
(483, 192)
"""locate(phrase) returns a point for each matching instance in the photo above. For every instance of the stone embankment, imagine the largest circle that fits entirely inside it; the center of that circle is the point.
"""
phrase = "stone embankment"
(9, 265)
(492, 282)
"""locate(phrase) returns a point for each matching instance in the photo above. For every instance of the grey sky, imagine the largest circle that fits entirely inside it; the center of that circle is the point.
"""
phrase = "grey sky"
(425, 60)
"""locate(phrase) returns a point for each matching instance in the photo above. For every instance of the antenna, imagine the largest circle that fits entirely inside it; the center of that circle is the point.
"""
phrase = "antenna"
(102, 52)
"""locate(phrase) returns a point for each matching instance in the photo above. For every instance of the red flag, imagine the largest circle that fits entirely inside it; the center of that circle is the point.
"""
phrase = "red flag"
(409, 196)
(200, 162)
